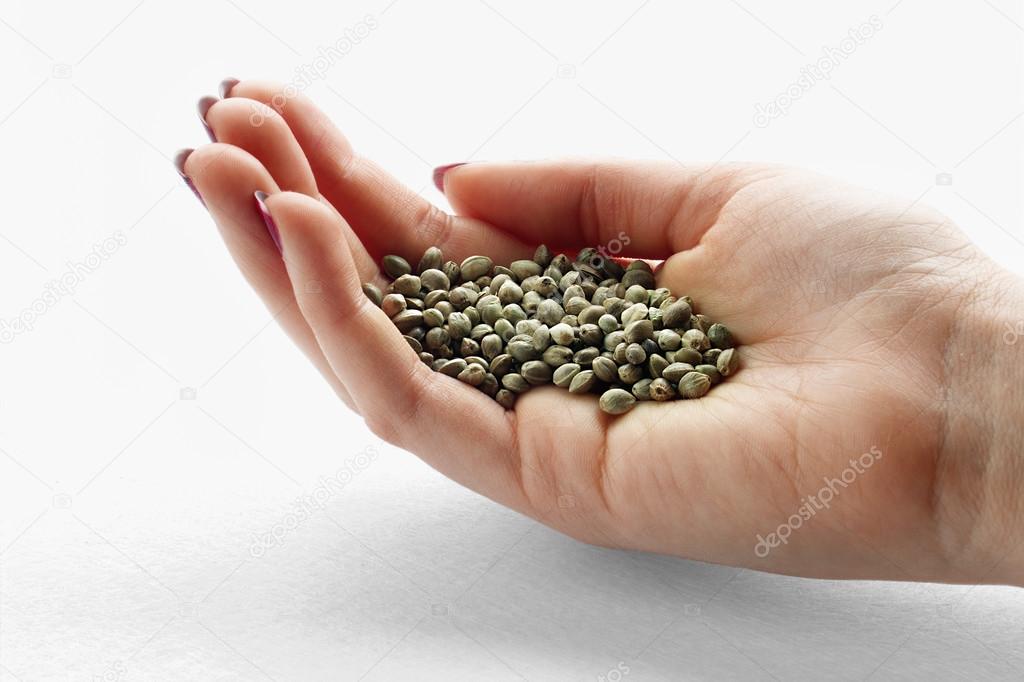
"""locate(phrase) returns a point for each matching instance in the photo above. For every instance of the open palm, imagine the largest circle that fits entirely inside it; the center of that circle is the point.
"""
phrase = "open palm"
(845, 304)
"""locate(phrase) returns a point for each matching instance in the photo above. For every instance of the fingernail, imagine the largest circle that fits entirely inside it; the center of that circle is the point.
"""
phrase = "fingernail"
(204, 106)
(225, 87)
(179, 163)
(261, 203)
(440, 171)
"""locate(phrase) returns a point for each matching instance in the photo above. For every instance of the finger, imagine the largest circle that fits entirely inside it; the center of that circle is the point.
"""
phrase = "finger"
(387, 216)
(455, 428)
(647, 209)
(256, 128)
(225, 177)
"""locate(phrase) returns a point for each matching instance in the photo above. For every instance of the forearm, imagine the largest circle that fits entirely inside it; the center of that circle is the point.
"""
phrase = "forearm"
(979, 498)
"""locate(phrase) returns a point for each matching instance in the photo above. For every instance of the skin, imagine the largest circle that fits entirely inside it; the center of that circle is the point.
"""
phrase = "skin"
(869, 326)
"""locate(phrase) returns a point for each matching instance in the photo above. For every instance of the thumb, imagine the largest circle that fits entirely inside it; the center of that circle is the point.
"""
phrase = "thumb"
(651, 209)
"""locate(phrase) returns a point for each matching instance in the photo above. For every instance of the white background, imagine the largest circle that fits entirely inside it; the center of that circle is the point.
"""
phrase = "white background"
(127, 513)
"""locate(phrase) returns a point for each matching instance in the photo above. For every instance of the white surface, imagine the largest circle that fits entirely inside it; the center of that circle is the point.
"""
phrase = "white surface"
(127, 515)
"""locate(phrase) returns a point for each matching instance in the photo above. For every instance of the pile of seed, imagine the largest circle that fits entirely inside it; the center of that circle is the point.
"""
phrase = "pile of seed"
(589, 325)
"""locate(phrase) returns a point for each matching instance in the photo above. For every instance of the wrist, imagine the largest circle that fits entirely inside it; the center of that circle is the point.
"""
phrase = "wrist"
(979, 491)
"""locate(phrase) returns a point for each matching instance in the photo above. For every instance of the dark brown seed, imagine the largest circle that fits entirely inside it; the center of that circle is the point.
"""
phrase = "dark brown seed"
(395, 266)
(373, 293)
(720, 336)
(468, 347)
(542, 256)
(642, 277)
(413, 343)
(585, 356)
(489, 385)
(502, 365)
(688, 355)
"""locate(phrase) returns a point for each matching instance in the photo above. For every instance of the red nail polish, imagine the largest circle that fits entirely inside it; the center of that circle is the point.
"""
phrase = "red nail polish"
(204, 106)
(179, 163)
(261, 204)
(440, 171)
(225, 87)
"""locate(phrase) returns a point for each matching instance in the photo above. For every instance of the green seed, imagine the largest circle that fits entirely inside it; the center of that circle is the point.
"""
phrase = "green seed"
(661, 390)
(641, 389)
(728, 361)
(432, 317)
(605, 369)
(453, 367)
(639, 330)
(542, 256)
(472, 375)
(563, 334)
(635, 354)
(392, 304)
(549, 312)
(711, 371)
(676, 371)
(689, 356)
(676, 315)
(630, 374)
(435, 280)
(395, 266)
(720, 336)
(656, 364)
(516, 383)
(475, 267)
(459, 326)
(525, 268)
(583, 382)
(616, 401)
(505, 398)
(432, 259)
(564, 375)
(536, 372)
(407, 319)
(373, 293)
(694, 385)
(502, 364)
(408, 285)
(696, 339)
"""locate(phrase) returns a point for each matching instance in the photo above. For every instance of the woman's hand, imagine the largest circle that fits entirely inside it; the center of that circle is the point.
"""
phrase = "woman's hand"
(872, 430)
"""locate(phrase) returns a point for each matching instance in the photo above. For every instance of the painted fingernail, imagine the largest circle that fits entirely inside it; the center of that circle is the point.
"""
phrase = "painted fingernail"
(225, 87)
(439, 174)
(179, 163)
(204, 106)
(261, 203)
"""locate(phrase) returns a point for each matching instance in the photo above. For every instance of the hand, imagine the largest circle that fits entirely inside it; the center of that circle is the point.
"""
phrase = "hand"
(869, 349)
